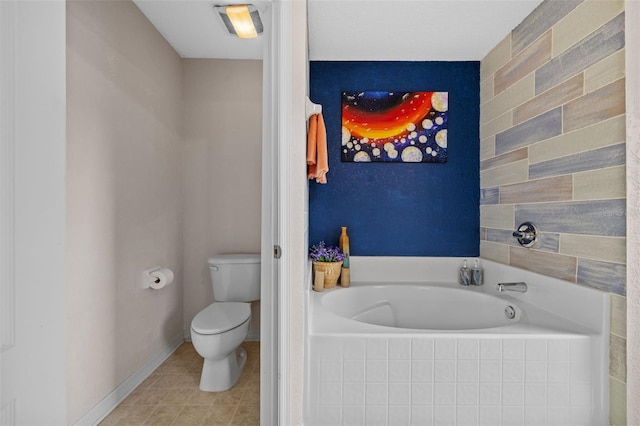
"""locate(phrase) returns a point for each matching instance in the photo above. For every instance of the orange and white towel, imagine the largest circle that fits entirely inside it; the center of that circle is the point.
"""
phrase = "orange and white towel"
(317, 158)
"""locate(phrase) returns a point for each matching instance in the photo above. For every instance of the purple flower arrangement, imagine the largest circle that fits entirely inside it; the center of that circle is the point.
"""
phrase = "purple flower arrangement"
(322, 253)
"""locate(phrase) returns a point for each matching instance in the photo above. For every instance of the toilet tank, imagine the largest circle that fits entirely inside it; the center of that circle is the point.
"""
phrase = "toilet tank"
(235, 277)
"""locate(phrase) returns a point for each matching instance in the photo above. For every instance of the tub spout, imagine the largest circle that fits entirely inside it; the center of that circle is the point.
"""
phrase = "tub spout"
(519, 287)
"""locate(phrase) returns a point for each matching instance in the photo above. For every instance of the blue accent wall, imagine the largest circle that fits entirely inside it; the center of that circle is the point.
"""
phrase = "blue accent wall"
(394, 209)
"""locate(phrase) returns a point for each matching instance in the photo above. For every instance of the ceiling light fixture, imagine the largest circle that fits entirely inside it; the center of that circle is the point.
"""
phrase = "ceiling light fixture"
(241, 20)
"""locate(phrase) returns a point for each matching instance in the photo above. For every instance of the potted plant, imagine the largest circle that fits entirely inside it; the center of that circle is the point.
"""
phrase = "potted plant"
(328, 260)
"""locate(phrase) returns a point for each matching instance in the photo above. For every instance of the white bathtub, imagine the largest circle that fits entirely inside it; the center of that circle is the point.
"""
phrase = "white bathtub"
(394, 349)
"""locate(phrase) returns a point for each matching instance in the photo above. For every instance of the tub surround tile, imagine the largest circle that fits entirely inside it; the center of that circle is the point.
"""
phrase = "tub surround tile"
(422, 371)
(399, 393)
(468, 371)
(617, 402)
(618, 357)
(399, 371)
(583, 230)
(599, 105)
(400, 349)
(445, 349)
(618, 315)
(600, 184)
(503, 175)
(601, 43)
(578, 24)
(538, 191)
(422, 393)
(490, 371)
(483, 233)
(489, 195)
(539, 21)
(609, 156)
(592, 247)
(605, 133)
(504, 159)
(513, 371)
(421, 416)
(554, 265)
(603, 275)
(486, 89)
(579, 217)
(552, 98)
(528, 60)
(496, 58)
(604, 72)
(544, 126)
(467, 394)
(504, 102)
(546, 241)
(354, 393)
(487, 147)
(494, 251)
(422, 348)
(376, 416)
(496, 125)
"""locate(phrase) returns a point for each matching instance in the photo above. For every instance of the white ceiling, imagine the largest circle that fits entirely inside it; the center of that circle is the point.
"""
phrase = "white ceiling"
(402, 30)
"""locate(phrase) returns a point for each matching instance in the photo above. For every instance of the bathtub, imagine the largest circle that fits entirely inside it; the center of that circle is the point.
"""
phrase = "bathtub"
(398, 349)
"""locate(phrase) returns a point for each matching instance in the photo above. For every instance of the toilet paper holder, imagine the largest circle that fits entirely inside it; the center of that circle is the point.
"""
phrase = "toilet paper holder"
(149, 280)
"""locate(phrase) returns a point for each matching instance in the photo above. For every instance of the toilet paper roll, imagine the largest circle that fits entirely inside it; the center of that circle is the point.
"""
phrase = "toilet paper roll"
(161, 278)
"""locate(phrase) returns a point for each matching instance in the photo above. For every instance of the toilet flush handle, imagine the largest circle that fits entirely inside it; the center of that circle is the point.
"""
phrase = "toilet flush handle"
(214, 268)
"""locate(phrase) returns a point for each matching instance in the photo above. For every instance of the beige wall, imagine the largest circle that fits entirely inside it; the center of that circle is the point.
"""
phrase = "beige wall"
(552, 152)
(124, 112)
(221, 171)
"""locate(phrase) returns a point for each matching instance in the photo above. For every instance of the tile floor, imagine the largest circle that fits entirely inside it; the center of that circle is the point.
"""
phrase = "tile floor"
(170, 396)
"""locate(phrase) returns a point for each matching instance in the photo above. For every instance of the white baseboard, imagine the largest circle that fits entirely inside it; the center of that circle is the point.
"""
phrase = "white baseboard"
(111, 401)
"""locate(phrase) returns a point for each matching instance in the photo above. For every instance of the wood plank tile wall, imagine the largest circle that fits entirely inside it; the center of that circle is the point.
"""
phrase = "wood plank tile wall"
(552, 151)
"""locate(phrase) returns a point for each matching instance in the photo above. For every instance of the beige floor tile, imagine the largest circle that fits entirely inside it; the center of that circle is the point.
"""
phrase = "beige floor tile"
(251, 396)
(220, 415)
(247, 415)
(136, 415)
(202, 398)
(151, 396)
(177, 397)
(171, 395)
(164, 415)
(115, 415)
(192, 416)
(232, 396)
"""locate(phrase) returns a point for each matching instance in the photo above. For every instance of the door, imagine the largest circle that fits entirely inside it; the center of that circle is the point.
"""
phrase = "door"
(32, 213)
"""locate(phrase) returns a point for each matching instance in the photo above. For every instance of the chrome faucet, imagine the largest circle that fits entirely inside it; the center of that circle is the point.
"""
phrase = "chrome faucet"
(519, 287)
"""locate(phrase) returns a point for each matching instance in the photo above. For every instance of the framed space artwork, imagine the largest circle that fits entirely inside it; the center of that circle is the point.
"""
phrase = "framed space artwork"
(394, 127)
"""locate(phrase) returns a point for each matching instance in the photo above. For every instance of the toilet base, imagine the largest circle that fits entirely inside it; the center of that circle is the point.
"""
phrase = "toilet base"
(220, 375)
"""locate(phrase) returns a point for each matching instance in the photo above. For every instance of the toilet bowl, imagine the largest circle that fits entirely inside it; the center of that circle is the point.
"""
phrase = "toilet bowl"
(218, 330)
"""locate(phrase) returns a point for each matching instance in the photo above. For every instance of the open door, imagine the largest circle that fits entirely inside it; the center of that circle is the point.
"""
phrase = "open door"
(32, 212)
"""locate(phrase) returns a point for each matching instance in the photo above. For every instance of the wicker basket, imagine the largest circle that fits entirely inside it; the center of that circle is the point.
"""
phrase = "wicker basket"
(331, 272)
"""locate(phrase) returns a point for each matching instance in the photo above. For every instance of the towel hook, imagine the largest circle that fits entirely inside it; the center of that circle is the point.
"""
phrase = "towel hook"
(312, 108)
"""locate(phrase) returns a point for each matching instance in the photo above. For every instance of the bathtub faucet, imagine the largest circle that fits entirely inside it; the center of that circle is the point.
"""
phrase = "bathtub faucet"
(519, 287)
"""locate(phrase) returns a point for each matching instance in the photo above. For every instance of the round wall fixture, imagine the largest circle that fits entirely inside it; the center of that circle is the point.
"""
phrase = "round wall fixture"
(527, 234)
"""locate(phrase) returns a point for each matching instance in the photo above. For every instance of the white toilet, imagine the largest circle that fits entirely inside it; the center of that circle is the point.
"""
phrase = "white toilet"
(218, 330)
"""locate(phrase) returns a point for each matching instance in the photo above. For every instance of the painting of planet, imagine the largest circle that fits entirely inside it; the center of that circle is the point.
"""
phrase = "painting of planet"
(398, 127)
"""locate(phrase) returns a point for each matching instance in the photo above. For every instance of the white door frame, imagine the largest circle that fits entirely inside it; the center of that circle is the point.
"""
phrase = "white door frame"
(283, 213)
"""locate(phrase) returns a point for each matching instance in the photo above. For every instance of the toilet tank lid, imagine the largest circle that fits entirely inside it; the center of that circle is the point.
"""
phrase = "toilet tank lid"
(234, 258)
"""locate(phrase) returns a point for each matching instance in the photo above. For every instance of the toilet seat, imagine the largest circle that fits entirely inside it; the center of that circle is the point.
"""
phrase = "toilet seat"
(221, 317)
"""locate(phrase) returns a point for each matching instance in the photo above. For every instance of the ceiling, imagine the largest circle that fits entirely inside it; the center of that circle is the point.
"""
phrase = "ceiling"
(374, 30)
